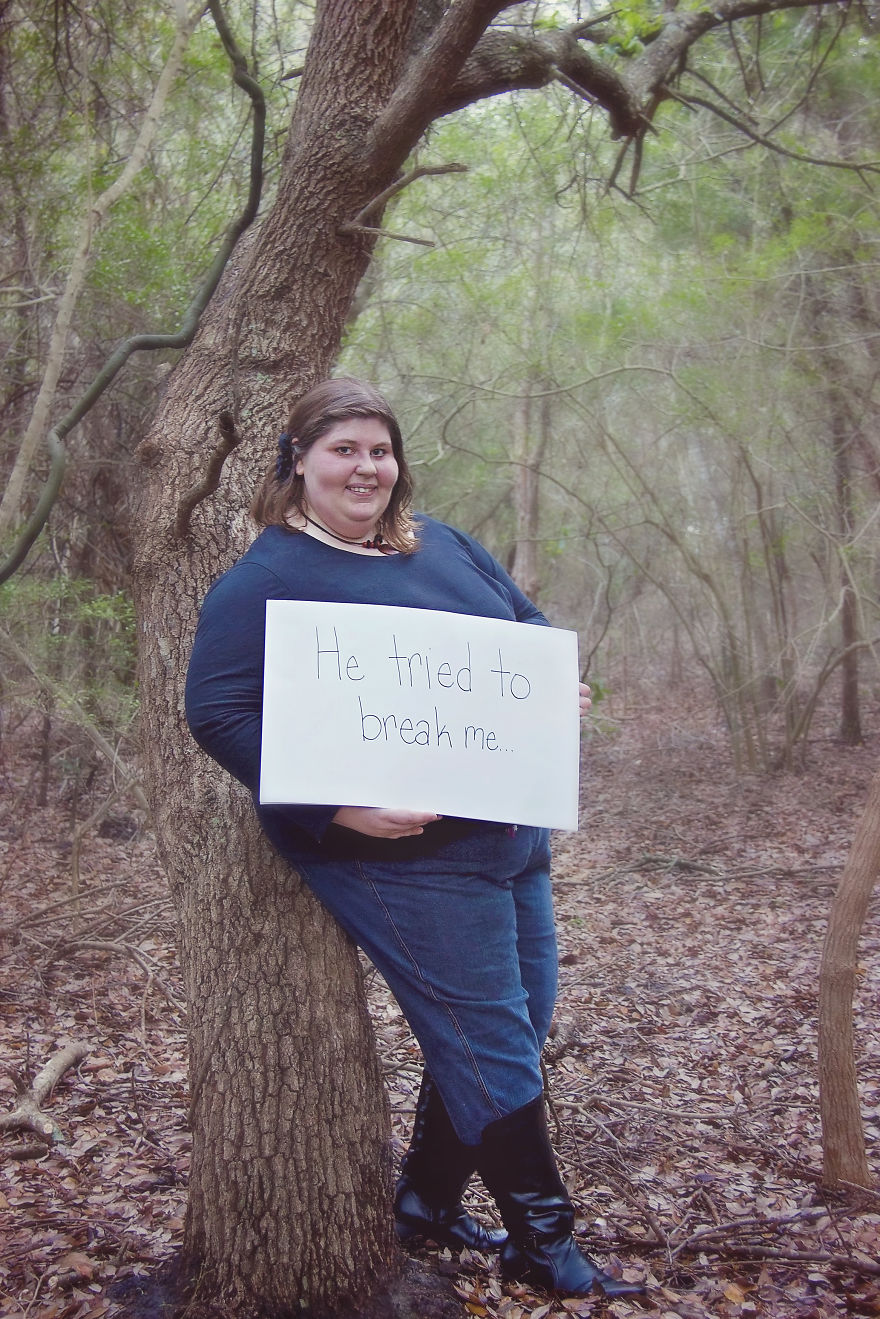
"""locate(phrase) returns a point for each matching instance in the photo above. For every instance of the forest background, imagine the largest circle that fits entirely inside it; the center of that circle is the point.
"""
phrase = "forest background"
(643, 375)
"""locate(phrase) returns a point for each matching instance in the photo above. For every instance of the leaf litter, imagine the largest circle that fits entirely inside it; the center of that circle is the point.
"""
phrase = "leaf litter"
(682, 1068)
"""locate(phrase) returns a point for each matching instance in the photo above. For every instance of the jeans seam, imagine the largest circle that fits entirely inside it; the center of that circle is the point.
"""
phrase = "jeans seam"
(402, 944)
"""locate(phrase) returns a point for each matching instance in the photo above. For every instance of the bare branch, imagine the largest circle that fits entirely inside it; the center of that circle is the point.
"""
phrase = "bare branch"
(153, 342)
(417, 98)
(76, 712)
(28, 1113)
(358, 224)
(648, 72)
(92, 220)
(866, 166)
(509, 61)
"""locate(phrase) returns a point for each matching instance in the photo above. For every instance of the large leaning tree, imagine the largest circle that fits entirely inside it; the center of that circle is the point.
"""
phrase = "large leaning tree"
(289, 1204)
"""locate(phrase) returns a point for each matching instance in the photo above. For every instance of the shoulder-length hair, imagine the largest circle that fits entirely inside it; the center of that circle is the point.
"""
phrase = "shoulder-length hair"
(282, 490)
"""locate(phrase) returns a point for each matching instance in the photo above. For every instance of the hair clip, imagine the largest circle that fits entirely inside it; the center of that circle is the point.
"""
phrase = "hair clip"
(284, 461)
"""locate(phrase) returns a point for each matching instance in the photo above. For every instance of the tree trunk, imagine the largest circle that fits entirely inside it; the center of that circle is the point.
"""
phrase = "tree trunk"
(528, 454)
(841, 438)
(843, 1141)
(289, 1205)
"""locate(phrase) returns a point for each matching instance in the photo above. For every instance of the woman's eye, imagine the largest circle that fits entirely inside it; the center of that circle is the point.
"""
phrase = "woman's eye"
(380, 453)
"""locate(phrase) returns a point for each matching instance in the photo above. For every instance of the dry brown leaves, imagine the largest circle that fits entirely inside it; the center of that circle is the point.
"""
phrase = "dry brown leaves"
(682, 1069)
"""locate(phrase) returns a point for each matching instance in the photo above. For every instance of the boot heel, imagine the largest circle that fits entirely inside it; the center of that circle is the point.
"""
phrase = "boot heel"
(518, 1167)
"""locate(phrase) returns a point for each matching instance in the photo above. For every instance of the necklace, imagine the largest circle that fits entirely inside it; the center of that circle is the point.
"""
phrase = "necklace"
(376, 543)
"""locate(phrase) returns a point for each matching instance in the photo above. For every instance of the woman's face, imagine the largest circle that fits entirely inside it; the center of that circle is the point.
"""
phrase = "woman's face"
(349, 474)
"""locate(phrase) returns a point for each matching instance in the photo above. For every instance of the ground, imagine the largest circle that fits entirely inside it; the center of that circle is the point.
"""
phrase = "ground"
(682, 1070)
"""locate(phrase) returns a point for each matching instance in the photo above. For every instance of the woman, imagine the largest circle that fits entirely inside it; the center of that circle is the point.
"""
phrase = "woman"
(456, 914)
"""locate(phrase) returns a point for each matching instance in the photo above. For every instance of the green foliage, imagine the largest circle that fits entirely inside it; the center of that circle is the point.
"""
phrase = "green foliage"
(673, 367)
(687, 492)
(81, 638)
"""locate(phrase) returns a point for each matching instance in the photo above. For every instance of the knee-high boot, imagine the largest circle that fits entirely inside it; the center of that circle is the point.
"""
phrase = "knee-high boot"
(434, 1174)
(518, 1166)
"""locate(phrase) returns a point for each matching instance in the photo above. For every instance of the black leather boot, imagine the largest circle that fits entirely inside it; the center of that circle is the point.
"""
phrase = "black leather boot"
(435, 1171)
(518, 1166)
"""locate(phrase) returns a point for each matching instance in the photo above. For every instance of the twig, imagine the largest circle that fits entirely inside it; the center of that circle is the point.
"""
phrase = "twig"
(78, 714)
(800, 1257)
(44, 914)
(857, 167)
(119, 946)
(359, 226)
(736, 1226)
(595, 1101)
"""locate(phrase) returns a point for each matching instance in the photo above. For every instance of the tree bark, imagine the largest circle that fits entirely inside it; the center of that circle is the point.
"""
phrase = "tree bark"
(290, 1190)
(843, 1141)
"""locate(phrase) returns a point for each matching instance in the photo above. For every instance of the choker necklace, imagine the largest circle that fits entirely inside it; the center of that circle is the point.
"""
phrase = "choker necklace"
(376, 543)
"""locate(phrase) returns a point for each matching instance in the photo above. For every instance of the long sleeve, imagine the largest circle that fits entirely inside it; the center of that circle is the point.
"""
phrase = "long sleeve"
(523, 609)
(224, 685)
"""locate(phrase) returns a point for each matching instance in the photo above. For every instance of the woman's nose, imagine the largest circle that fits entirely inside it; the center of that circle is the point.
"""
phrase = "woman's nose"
(366, 463)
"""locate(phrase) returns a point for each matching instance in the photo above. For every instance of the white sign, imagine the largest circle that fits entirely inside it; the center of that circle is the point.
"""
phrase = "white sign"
(376, 705)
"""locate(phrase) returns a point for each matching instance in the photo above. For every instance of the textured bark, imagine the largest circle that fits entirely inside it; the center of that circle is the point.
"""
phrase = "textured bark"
(843, 1140)
(289, 1204)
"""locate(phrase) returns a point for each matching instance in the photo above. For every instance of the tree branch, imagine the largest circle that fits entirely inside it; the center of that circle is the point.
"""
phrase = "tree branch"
(192, 316)
(91, 222)
(868, 166)
(648, 72)
(504, 61)
(416, 100)
(28, 1113)
(520, 60)
(358, 225)
(76, 712)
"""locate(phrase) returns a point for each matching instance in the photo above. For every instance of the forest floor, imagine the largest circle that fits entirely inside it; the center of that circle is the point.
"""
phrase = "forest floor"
(692, 907)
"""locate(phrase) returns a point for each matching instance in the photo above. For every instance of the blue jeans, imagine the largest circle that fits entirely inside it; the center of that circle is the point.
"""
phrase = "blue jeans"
(465, 941)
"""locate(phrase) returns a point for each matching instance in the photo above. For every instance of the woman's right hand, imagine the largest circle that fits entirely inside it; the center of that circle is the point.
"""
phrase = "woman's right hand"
(381, 822)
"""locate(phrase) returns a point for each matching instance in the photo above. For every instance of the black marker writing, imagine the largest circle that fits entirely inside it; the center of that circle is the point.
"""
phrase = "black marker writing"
(418, 667)
(352, 668)
(517, 684)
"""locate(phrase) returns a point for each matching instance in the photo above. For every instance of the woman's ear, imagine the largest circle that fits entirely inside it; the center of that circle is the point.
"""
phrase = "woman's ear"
(298, 465)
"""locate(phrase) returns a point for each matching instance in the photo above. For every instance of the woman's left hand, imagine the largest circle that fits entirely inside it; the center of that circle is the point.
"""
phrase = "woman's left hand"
(584, 698)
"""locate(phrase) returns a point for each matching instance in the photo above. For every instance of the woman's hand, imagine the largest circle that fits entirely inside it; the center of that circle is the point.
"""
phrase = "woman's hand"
(584, 698)
(380, 822)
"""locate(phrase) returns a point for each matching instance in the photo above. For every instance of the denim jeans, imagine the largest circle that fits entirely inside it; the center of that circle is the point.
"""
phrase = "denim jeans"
(465, 941)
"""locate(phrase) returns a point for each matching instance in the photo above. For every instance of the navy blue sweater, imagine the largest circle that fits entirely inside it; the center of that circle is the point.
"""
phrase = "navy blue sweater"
(224, 687)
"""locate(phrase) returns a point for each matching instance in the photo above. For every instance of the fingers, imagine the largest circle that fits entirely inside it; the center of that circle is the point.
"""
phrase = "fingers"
(403, 824)
(383, 822)
(585, 700)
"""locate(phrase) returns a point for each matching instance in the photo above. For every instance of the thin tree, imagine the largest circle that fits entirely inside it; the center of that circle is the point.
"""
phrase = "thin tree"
(844, 1160)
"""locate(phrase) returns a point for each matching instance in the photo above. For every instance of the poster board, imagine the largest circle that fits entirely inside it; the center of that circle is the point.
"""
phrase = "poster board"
(418, 709)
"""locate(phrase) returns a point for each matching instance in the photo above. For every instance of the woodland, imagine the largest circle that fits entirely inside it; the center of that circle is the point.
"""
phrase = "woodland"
(616, 270)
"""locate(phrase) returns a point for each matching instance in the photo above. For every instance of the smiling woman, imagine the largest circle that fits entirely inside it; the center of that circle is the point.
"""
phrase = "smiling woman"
(457, 914)
(341, 476)
(348, 476)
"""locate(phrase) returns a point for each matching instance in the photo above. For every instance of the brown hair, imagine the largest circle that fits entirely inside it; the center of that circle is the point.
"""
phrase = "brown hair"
(281, 489)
